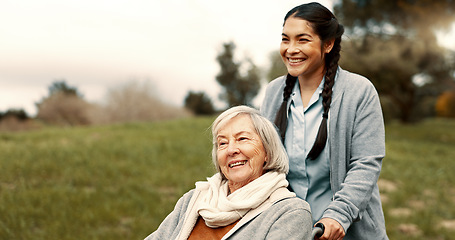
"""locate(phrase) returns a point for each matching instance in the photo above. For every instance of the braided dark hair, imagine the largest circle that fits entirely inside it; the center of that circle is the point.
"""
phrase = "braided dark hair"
(326, 26)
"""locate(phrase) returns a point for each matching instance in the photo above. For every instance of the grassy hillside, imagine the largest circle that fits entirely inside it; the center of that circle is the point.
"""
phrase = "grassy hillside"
(110, 182)
(120, 181)
(418, 180)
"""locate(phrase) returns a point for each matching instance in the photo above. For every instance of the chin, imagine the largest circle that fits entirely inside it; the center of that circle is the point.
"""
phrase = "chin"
(241, 179)
(293, 73)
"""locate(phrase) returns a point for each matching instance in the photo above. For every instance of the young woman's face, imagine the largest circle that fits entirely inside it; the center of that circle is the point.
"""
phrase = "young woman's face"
(301, 50)
(240, 152)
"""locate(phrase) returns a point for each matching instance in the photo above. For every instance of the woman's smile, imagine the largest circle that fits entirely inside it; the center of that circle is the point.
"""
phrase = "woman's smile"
(296, 61)
(236, 164)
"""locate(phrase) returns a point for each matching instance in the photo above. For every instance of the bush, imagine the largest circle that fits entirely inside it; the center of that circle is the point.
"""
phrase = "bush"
(134, 102)
(64, 106)
(19, 114)
(13, 124)
(445, 105)
(15, 120)
(64, 109)
(199, 103)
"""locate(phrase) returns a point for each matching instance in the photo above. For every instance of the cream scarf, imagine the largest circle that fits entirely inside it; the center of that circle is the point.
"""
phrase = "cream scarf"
(218, 209)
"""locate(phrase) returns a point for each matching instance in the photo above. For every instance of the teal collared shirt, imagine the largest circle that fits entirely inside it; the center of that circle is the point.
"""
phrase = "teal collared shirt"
(309, 179)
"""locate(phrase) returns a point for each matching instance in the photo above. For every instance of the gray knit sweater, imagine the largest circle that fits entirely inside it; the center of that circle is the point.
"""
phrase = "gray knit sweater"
(356, 148)
(277, 218)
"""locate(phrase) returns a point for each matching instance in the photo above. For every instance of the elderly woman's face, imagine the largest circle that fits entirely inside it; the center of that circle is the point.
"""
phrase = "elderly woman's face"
(240, 152)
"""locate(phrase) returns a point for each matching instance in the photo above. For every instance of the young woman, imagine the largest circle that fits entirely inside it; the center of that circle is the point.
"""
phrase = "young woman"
(330, 121)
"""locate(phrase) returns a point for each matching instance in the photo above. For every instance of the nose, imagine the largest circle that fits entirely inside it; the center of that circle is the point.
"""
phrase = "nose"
(232, 149)
(293, 48)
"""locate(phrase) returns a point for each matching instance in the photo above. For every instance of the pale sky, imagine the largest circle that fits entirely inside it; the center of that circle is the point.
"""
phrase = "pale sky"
(99, 44)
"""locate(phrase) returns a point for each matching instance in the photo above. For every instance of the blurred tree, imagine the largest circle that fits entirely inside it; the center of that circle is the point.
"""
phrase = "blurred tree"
(199, 103)
(15, 119)
(394, 44)
(64, 106)
(239, 88)
(19, 114)
(277, 67)
(60, 86)
(135, 101)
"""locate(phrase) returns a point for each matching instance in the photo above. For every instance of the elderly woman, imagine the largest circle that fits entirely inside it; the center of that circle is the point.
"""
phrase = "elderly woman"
(248, 197)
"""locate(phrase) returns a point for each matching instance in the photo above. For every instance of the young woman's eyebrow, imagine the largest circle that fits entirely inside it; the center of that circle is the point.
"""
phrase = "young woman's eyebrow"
(298, 35)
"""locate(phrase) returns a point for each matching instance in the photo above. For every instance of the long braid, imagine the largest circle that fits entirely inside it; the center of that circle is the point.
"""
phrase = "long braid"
(281, 119)
(332, 63)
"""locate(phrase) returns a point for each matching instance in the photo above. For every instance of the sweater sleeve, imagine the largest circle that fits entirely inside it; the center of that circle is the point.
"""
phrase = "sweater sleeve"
(293, 225)
(171, 225)
(365, 142)
(273, 98)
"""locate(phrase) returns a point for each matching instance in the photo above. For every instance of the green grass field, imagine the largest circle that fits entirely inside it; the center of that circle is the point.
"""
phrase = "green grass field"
(120, 181)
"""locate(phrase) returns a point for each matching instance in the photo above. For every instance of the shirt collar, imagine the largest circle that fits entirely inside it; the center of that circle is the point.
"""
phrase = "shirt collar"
(296, 89)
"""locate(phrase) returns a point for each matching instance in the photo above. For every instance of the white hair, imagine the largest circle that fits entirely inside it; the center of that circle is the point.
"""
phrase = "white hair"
(276, 154)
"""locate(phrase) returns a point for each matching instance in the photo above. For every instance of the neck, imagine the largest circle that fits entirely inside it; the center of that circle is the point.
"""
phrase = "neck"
(311, 82)
(308, 86)
(234, 186)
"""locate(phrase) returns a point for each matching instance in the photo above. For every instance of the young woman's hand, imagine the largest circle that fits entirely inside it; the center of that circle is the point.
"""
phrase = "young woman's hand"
(332, 230)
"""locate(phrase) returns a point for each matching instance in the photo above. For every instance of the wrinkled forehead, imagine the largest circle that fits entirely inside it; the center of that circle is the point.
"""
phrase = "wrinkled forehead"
(240, 122)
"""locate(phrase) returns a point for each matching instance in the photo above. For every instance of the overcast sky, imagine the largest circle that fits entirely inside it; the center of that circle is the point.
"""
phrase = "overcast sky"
(99, 44)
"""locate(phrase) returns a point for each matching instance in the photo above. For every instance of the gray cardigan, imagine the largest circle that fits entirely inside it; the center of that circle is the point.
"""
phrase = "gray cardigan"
(356, 148)
(287, 218)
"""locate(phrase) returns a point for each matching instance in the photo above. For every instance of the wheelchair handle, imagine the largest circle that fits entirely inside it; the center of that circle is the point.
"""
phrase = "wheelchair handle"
(318, 230)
